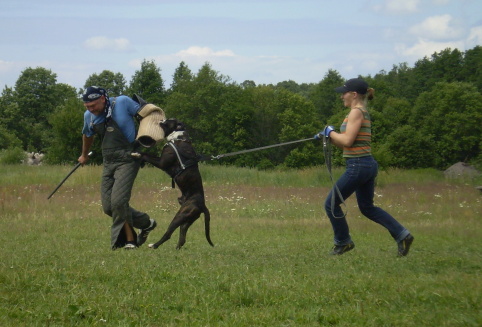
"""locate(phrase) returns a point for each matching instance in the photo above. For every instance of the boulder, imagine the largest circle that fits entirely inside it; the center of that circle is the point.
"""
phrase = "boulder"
(461, 169)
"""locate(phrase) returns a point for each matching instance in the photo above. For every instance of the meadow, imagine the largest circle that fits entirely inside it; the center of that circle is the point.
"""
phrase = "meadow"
(270, 265)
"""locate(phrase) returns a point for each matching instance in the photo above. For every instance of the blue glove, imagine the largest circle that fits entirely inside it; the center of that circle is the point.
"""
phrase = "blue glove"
(326, 132)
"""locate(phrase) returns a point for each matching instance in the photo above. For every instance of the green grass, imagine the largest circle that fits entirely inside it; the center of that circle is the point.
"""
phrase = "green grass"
(270, 265)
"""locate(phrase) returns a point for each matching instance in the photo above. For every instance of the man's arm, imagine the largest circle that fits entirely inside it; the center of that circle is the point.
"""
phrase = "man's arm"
(86, 145)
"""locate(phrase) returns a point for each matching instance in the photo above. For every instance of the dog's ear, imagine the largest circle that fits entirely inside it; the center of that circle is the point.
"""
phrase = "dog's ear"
(180, 126)
(168, 125)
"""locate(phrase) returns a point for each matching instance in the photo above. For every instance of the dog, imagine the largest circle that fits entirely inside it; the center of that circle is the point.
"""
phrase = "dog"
(180, 161)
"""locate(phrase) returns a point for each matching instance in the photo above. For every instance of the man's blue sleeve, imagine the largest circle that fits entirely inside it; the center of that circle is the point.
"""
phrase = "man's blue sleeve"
(126, 102)
(87, 128)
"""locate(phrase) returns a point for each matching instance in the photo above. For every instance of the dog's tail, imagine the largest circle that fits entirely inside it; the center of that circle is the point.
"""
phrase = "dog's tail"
(207, 220)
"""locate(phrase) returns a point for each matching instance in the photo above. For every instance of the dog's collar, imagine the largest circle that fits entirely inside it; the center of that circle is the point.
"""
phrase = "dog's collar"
(178, 135)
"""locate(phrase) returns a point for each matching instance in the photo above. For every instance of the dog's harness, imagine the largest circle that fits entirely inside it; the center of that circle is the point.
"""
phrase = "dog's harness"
(184, 164)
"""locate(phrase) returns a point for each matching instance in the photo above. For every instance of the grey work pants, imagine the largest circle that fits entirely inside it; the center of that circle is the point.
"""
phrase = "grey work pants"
(117, 181)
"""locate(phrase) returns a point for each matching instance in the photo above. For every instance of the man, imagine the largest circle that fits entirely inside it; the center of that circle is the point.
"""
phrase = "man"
(112, 119)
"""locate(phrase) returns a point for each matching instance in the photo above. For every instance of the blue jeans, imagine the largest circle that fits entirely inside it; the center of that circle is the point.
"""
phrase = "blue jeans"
(359, 178)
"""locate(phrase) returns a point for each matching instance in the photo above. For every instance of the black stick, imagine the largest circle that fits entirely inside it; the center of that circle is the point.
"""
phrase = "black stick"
(68, 175)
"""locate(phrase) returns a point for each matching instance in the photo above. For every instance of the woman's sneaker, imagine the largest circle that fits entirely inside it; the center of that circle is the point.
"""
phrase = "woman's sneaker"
(142, 237)
(404, 245)
(340, 249)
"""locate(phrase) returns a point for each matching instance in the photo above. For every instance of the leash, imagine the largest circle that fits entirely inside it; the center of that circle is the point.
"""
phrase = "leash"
(219, 156)
(327, 151)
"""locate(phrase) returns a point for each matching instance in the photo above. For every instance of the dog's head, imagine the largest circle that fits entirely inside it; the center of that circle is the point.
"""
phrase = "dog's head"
(171, 125)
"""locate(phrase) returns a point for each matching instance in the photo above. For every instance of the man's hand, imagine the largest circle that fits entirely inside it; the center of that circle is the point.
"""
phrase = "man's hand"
(83, 159)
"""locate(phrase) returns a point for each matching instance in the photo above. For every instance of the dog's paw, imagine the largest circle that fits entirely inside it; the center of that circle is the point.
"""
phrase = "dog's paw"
(151, 246)
(136, 154)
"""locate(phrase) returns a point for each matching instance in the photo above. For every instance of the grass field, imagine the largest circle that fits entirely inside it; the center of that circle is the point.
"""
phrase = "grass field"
(270, 265)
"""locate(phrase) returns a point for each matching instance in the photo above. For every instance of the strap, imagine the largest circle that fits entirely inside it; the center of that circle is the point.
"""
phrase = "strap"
(171, 144)
(184, 165)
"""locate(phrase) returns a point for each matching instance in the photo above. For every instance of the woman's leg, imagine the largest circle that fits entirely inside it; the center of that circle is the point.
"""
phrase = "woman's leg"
(347, 185)
(365, 194)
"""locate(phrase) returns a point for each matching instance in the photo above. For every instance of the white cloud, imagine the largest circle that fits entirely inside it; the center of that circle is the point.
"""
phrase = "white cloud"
(260, 68)
(438, 28)
(204, 52)
(475, 37)
(402, 5)
(104, 43)
(6, 66)
(398, 6)
(426, 48)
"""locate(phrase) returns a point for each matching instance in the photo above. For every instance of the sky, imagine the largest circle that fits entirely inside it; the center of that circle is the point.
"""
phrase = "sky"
(265, 41)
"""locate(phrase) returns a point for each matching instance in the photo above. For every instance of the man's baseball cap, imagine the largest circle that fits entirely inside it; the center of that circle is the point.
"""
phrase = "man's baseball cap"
(93, 93)
(354, 85)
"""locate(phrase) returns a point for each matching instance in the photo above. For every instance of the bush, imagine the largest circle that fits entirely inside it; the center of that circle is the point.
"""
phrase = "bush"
(12, 156)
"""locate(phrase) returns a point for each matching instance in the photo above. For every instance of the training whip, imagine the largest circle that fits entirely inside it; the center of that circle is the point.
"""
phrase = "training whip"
(68, 175)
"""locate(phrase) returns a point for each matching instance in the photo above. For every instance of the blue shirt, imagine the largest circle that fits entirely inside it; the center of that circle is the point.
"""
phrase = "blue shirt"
(124, 110)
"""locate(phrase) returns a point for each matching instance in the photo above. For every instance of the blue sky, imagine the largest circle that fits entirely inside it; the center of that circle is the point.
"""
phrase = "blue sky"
(267, 41)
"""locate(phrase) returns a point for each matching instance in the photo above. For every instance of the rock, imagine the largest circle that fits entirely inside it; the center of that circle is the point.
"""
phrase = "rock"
(461, 169)
(34, 159)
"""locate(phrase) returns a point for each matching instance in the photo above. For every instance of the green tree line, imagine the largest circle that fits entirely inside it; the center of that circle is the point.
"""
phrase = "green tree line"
(428, 115)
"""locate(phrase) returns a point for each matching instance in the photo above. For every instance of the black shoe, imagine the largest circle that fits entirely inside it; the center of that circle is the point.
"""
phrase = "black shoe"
(142, 237)
(404, 245)
(340, 249)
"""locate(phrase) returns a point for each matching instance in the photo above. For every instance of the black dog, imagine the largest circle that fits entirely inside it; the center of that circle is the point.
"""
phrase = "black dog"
(180, 161)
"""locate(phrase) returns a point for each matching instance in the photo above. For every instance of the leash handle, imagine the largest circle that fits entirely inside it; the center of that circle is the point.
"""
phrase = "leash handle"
(327, 151)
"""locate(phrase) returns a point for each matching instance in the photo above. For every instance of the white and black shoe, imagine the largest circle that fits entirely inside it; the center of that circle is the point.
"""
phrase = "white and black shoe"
(142, 237)
(130, 246)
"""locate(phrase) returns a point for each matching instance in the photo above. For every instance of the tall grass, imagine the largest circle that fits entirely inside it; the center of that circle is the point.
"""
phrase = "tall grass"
(270, 265)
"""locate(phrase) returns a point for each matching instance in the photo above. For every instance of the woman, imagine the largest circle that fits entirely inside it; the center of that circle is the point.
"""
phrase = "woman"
(361, 169)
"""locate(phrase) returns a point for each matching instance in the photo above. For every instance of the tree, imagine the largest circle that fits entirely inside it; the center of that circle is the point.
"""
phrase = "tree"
(66, 142)
(387, 117)
(323, 96)
(36, 96)
(207, 97)
(114, 84)
(447, 65)
(450, 115)
(472, 67)
(444, 66)
(10, 122)
(247, 84)
(280, 116)
(403, 149)
(298, 121)
(148, 83)
(181, 78)
(8, 140)
(35, 99)
(179, 97)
